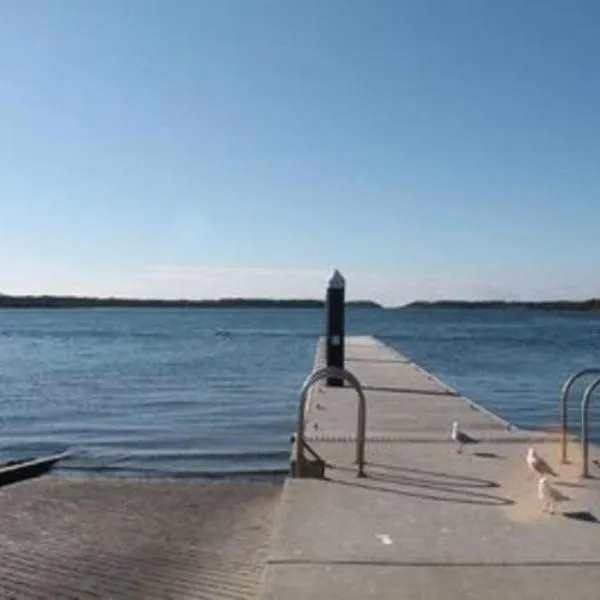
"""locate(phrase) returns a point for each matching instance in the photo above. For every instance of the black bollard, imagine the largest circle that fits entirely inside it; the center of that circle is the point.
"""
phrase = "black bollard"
(334, 341)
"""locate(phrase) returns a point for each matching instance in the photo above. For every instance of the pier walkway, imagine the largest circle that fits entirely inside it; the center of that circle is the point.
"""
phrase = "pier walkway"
(426, 522)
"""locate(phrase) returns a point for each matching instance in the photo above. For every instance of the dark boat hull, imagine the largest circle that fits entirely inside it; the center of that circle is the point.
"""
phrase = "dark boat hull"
(19, 470)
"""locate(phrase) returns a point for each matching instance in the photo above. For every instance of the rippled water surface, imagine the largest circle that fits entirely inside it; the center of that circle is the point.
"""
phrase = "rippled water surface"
(157, 392)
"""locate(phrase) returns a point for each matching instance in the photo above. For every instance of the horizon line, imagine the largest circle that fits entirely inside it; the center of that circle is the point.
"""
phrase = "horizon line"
(279, 300)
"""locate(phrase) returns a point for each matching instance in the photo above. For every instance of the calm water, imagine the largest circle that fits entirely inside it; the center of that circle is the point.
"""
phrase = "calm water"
(155, 392)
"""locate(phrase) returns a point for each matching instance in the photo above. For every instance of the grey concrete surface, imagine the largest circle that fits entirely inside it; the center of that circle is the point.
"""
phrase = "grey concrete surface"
(427, 522)
(90, 538)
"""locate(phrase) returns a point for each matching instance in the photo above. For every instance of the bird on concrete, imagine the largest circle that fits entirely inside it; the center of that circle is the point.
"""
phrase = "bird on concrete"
(461, 438)
(549, 495)
(538, 465)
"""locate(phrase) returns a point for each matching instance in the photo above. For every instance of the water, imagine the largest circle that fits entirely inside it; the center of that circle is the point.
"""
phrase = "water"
(155, 392)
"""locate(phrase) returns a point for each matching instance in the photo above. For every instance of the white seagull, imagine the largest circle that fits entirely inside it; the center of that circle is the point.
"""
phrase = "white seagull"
(461, 438)
(538, 465)
(549, 495)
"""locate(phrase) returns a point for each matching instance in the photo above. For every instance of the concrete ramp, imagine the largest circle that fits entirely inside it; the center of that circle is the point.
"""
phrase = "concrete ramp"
(126, 539)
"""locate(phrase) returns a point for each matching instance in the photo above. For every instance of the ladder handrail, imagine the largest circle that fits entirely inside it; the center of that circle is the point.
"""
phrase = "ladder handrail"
(585, 426)
(563, 406)
(362, 413)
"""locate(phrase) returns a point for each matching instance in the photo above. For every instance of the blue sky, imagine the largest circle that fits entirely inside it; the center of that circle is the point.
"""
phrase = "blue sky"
(201, 149)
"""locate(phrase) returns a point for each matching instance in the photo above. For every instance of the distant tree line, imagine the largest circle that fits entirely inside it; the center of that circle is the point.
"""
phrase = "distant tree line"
(592, 304)
(7, 301)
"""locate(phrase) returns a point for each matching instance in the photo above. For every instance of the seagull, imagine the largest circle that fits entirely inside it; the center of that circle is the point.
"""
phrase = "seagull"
(549, 495)
(461, 437)
(538, 465)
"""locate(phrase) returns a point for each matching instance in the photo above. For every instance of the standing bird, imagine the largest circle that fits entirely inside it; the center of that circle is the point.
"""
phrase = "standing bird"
(538, 465)
(549, 495)
(461, 438)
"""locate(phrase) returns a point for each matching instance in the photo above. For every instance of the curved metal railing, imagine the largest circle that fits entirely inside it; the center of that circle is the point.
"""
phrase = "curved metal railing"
(362, 414)
(563, 406)
(585, 405)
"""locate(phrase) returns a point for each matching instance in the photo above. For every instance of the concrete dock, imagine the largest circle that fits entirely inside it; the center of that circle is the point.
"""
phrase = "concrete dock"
(427, 522)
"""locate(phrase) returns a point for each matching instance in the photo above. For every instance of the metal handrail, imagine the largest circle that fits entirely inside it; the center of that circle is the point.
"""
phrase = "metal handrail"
(563, 406)
(585, 426)
(362, 413)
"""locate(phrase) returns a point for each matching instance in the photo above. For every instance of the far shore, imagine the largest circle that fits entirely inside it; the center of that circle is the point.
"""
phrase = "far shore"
(7, 301)
(554, 305)
(64, 302)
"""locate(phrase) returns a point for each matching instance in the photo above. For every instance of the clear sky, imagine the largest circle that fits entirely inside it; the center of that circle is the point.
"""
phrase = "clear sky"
(246, 147)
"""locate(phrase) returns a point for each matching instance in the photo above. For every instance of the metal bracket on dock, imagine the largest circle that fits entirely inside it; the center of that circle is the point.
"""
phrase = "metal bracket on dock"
(301, 467)
(314, 468)
(585, 426)
(563, 406)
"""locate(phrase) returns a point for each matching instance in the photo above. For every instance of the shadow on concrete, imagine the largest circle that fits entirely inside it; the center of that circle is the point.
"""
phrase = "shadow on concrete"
(398, 390)
(435, 492)
(454, 480)
(570, 484)
(488, 455)
(416, 563)
(581, 515)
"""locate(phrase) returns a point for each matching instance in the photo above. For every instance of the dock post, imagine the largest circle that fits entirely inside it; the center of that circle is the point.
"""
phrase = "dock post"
(334, 342)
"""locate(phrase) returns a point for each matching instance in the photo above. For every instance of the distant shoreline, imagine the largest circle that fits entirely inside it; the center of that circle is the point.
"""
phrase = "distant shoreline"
(592, 304)
(56, 302)
(7, 301)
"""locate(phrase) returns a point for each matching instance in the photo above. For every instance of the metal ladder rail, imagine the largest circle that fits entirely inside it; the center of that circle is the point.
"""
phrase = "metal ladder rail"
(585, 404)
(563, 406)
(351, 379)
